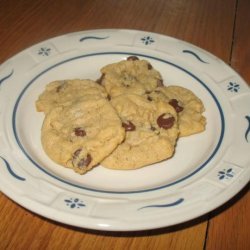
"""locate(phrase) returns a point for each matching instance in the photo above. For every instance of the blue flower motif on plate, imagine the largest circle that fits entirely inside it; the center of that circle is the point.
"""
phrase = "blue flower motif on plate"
(44, 51)
(226, 174)
(74, 203)
(233, 87)
(147, 40)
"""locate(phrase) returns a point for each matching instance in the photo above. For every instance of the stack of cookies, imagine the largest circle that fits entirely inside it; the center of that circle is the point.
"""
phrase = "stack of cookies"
(126, 119)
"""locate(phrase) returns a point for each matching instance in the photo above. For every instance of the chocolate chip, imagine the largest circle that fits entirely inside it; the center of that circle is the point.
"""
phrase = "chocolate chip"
(85, 161)
(76, 153)
(129, 126)
(100, 80)
(175, 104)
(132, 58)
(59, 88)
(109, 97)
(153, 128)
(79, 132)
(149, 66)
(150, 98)
(165, 121)
(160, 83)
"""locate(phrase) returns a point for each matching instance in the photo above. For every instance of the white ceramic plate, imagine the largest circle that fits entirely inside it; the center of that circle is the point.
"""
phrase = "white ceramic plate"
(206, 171)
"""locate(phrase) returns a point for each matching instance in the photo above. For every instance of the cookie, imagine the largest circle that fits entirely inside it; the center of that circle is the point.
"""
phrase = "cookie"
(188, 106)
(82, 134)
(131, 76)
(67, 91)
(151, 132)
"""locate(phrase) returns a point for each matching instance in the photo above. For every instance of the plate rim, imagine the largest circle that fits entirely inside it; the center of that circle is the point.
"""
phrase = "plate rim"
(236, 186)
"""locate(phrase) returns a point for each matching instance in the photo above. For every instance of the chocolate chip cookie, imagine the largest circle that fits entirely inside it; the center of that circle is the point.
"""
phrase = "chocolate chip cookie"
(131, 76)
(151, 132)
(67, 91)
(187, 105)
(80, 135)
